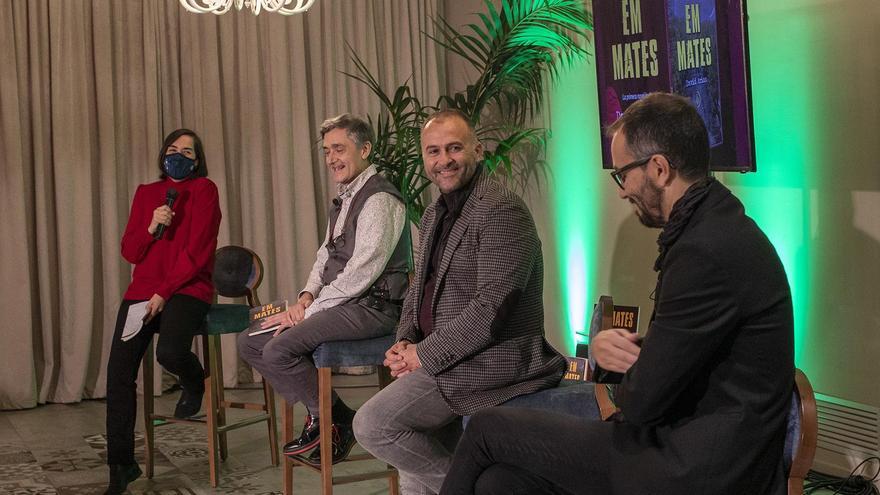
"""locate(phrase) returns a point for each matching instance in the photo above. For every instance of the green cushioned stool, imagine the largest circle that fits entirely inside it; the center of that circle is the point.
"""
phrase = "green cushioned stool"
(238, 272)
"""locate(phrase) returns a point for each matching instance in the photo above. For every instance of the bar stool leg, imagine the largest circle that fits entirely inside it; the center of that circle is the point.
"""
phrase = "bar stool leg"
(217, 373)
(269, 399)
(287, 436)
(211, 409)
(326, 425)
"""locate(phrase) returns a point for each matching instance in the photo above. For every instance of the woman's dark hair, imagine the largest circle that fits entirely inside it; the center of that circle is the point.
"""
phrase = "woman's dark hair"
(201, 167)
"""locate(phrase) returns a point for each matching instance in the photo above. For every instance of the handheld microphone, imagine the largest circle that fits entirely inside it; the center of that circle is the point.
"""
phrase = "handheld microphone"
(170, 196)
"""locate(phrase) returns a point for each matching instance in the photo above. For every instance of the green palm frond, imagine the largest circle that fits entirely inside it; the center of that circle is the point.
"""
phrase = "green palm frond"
(512, 50)
(396, 152)
(515, 50)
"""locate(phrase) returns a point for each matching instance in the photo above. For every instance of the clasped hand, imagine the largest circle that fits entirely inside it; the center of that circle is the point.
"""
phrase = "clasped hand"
(615, 349)
(402, 358)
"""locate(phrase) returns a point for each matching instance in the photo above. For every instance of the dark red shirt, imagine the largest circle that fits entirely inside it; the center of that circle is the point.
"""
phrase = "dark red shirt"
(181, 261)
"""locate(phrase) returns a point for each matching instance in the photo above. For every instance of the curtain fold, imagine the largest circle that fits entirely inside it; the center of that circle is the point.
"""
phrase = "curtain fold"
(88, 89)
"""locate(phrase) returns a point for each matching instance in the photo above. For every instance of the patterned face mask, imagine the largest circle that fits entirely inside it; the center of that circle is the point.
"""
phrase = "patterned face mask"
(178, 167)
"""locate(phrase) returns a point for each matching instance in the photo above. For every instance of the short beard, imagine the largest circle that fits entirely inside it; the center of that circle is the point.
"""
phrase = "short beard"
(650, 198)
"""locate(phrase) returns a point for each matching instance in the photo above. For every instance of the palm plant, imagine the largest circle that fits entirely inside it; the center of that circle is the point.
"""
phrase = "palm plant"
(514, 50)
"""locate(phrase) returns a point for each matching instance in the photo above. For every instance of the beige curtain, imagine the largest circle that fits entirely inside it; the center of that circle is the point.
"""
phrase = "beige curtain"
(88, 89)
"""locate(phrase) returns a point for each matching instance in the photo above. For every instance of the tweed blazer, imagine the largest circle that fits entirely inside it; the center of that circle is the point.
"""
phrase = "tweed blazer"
(487, 345)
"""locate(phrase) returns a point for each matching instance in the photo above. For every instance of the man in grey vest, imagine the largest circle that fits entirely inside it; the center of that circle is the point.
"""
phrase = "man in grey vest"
(354, 290)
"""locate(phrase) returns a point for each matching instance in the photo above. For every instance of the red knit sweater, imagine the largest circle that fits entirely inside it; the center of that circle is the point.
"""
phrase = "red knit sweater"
(182, 260)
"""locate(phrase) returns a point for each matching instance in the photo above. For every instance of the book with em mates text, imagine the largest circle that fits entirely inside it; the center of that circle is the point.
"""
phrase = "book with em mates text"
(258, 314)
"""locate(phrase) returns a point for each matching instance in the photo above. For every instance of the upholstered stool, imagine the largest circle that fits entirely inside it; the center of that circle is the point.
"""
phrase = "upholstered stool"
(221, 319)
(574, 398)
(367, 352)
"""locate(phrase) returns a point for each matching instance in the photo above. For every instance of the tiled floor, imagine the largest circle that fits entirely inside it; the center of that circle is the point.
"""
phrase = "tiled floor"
(60, 449)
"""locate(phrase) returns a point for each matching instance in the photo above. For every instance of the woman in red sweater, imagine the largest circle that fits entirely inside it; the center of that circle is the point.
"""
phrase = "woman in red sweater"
(172, 250)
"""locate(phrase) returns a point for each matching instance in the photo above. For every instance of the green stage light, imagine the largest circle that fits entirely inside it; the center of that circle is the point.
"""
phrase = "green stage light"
(574, 156)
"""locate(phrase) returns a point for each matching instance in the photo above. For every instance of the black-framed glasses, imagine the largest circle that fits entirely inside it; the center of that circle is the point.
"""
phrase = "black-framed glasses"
(619, 174)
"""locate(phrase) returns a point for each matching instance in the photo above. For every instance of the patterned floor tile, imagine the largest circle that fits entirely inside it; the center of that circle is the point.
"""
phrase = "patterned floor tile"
(13, 472)
(167, 485)
(20, 457)
(191, 452)
(33, 486)
(11, 448)
(73, 464)
(181, 434)
(87, 489)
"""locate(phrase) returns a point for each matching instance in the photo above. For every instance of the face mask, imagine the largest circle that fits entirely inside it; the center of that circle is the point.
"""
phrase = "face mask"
(178, 166)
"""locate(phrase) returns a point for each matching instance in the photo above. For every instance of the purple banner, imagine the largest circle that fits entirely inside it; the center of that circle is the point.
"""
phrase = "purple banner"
(695, 48)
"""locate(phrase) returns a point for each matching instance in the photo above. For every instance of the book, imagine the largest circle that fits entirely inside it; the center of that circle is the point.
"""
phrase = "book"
(258, 314)
(577, 369)
(626, 317)
(608, 315)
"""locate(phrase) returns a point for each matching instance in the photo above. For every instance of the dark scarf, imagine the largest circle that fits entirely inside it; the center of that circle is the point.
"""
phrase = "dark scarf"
(681, 214)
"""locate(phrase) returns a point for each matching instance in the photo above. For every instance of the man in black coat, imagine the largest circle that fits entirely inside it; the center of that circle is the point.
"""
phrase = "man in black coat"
(705, 396)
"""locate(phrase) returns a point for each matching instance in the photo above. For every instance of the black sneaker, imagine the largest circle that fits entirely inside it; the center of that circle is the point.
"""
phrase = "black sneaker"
(189, 404)
(308, 439)
(343, 441)
(120, 476)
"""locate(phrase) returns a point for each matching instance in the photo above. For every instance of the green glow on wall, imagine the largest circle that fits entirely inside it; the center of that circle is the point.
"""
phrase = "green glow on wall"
(574, 157)
(788, 143)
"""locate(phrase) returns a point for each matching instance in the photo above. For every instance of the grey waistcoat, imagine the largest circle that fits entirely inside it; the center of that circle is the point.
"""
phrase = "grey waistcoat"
(392, 283)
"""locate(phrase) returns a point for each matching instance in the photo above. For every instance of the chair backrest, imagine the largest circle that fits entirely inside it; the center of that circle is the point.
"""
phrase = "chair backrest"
(801, 433)
(238, 272)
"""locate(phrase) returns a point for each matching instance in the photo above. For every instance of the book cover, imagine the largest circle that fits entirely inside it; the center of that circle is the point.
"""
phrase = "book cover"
(626, 317)
(632, 57)
(577, 369)
(258, 314)
(694, 59)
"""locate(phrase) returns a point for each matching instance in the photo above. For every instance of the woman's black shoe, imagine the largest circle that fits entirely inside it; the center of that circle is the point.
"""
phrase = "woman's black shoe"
(308, 439)
(120, 476)
(189, 404)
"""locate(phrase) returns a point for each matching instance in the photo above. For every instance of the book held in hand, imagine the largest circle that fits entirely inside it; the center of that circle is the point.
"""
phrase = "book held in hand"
(606, 315)
(258, 314)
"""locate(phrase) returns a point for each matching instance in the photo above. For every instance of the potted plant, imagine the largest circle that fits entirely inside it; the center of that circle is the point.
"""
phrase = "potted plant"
(514, 51)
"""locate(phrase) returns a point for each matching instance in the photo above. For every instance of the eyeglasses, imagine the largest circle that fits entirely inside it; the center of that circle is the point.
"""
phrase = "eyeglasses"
(619, 174)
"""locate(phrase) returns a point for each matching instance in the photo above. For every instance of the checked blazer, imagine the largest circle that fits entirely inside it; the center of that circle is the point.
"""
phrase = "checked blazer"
(488, 344)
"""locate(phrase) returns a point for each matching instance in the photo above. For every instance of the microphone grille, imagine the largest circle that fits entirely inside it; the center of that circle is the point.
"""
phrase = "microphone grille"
(171, 193)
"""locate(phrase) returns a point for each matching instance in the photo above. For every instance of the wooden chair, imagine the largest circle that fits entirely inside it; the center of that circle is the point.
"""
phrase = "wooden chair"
(367, 352)
(800, 436)
(238, 272)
